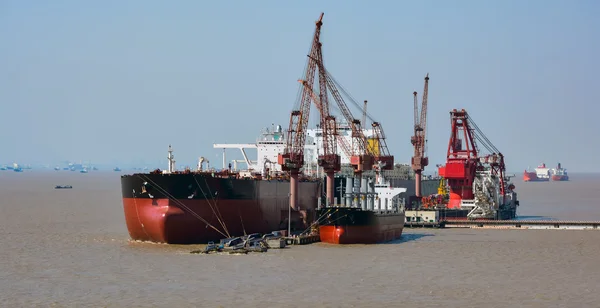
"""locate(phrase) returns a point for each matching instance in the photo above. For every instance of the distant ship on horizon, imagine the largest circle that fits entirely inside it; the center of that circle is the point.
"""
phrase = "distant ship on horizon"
(559, 173)
(540, 174)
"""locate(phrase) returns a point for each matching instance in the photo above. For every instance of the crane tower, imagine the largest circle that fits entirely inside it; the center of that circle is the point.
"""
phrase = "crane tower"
(419, 161)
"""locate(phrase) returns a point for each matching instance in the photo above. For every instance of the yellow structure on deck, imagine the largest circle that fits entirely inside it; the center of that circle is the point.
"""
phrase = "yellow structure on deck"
(443, 188)
(373, 146)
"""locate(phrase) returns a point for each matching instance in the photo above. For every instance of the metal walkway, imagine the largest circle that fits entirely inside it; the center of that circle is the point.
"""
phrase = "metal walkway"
(524, 224)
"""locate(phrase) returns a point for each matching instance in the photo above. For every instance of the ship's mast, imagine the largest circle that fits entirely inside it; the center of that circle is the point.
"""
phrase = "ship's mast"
(171, 159)
(379, 179)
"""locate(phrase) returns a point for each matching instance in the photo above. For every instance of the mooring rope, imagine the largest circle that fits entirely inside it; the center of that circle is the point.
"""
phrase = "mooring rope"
(170, 197)
(219, 219)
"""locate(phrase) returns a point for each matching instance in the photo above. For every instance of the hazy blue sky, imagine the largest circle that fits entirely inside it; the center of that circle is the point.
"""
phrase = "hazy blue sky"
(112, 81)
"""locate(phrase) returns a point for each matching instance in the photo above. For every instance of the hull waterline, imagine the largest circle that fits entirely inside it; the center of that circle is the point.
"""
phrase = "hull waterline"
(560, 178)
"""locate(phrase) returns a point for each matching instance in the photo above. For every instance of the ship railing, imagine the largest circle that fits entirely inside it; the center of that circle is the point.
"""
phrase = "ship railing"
(385, 212)
(467, 204)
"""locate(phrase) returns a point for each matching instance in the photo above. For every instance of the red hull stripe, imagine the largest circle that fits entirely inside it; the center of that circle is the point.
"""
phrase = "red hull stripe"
(359, 234)
(158, 220)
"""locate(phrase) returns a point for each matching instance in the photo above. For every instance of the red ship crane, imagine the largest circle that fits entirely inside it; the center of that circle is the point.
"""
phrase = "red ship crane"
(360, 157)
(363, 153)
(464, 159)
(330, 161)
(292, 159)
(378, 146)
(419, 161)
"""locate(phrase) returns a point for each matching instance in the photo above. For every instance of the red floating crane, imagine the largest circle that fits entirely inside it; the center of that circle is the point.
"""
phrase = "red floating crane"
(464, 161)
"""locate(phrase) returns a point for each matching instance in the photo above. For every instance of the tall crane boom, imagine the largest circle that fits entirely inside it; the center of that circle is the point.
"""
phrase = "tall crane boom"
(419, 161)
(292, 159)
(330, 161)
(364, 115)
(366, 151)
(361, 159)
(299, 118)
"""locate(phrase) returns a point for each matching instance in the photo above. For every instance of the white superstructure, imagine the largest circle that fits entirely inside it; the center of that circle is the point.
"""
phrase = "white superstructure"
(314, 142)
(374, 194)
(542, 172)
(559, 170)
(370, 194)
(272, 142)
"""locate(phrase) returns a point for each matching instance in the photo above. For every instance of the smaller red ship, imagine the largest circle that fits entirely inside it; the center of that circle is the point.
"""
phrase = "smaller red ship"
(373, 213)
(559, 174)
(540, 174)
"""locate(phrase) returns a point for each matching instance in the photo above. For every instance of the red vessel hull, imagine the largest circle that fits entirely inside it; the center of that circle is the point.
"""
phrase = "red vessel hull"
(532, 177)
(355, 226)
(358, 234)
(161, 221)
(560, 178)
(529, 176)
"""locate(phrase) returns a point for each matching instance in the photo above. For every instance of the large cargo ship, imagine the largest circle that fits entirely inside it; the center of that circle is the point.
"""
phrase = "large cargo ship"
(559, 173)
(373, 212)
(540, 174)
(186, 207)
(206, 204)
(199, 206)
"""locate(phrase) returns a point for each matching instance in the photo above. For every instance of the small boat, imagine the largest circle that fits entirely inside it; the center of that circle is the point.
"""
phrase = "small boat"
(256, 245)
(237, 245)
(211, 247)
(232, 243)
(63, 187)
